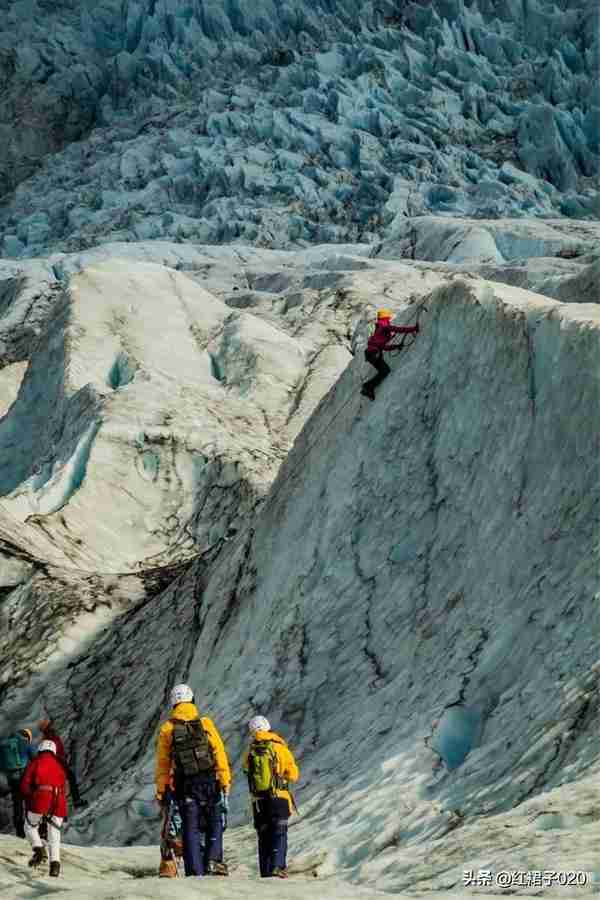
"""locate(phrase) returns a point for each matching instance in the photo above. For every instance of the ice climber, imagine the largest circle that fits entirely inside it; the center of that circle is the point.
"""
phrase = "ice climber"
(270, 768)
(191, 762)
(49, 733)
(16, 752)
(377, 343)
(43, 789)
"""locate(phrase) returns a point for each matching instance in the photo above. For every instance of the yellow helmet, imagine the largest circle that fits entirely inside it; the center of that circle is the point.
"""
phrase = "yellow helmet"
(384, 314)
(27, 734)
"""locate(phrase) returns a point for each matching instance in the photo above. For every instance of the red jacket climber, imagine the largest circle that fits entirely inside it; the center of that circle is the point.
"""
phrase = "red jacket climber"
(381, 340)
(46, 726)
(43, 785)
(384, 332)
(43, 790)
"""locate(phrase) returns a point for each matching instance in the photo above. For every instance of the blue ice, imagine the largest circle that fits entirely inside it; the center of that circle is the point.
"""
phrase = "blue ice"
(456, 734)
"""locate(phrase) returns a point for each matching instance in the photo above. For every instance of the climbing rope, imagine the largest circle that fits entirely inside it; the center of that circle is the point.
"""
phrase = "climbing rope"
(309, 447)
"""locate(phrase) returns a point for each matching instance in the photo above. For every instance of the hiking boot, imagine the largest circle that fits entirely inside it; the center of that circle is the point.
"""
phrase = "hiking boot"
(217, 868)
(279, 873)
(54, 869)
(167, 868)
(39, 857)
(367, 391)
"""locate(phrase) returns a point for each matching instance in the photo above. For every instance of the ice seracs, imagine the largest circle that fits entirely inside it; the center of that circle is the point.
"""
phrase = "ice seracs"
(292, 123)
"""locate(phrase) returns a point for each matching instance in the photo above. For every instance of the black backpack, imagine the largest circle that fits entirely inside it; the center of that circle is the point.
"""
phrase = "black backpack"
(192, 752)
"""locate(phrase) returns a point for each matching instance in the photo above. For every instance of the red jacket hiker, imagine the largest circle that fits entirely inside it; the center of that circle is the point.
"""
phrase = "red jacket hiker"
(384, 333)
(377, 343)
(43, 785)
(49, 734)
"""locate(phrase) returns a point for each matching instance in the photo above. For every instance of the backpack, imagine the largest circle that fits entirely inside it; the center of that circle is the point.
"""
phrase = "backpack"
(262, 768)
(191, 750)
(13, 757)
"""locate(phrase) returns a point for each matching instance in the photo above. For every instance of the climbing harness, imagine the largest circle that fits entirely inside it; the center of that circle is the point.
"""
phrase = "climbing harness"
(46, 818)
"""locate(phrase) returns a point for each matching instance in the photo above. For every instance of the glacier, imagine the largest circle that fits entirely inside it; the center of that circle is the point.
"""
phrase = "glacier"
(202, 204)
(426, 560)
(291, 123)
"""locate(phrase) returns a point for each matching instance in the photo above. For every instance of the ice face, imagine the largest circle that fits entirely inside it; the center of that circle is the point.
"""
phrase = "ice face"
(427, 557)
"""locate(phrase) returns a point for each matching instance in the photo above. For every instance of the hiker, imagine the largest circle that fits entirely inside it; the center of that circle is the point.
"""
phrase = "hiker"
(16, 752)
(191, 761)
(48, 731)
(43, 789)
(270, 768)
(377, 343)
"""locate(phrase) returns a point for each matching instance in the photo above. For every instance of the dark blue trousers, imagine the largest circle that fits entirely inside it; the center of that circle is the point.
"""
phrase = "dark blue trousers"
(271, 816)
(198, 801)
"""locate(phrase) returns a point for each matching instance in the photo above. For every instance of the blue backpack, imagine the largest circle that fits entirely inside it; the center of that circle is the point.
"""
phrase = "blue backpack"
(13, 754)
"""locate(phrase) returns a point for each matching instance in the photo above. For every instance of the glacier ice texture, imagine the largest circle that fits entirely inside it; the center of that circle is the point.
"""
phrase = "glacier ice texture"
(291, 123)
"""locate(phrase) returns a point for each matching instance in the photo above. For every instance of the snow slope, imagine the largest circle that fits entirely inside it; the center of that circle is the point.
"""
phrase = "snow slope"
(103, 874)
(106, 873)
(418, 585)
(126, 873)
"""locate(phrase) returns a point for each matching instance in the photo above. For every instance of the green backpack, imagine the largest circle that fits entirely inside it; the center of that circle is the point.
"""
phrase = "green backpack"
(13, 757)
(262, 768)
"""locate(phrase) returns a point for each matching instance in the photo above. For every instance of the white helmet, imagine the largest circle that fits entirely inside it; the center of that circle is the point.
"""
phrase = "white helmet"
(258, 723)
(181, 693)
(47, 745)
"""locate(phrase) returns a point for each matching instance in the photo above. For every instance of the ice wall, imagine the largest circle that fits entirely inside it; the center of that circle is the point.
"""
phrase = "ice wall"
(436, 550)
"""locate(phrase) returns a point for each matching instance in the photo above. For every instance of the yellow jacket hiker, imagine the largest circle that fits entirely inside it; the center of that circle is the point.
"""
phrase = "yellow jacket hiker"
(164, 758)
(270, 767)
(191, 762)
